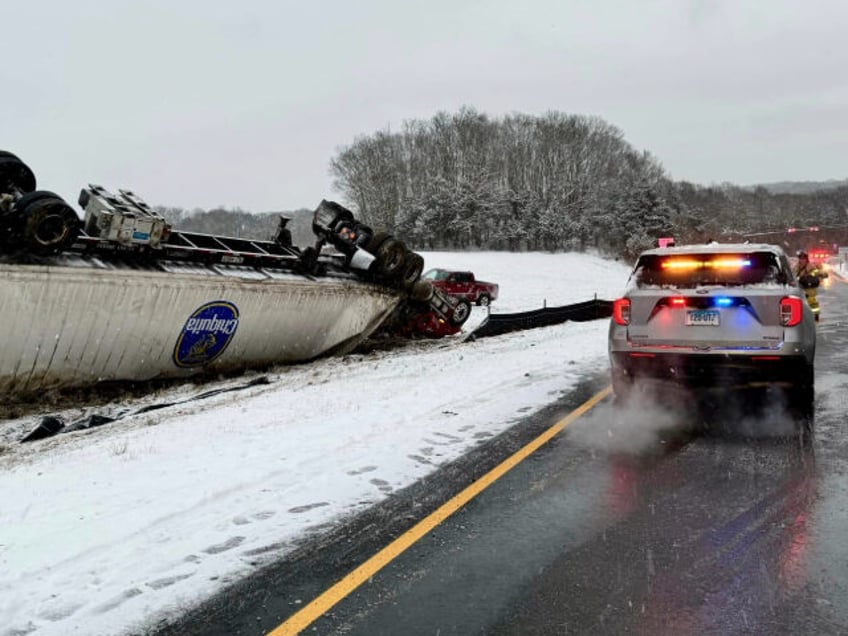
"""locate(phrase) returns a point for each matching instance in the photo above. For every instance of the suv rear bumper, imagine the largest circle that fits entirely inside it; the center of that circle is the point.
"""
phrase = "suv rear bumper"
(711, 370)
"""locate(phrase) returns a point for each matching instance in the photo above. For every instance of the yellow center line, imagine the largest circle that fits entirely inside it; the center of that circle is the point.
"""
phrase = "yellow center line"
(330, 597)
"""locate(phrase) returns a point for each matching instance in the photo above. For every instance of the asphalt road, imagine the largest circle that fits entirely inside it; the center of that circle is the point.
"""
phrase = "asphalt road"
(659, 518)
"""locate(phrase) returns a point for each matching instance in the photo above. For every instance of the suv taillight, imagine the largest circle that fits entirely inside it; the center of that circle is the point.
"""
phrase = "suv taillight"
(790, 311)
(621, 311)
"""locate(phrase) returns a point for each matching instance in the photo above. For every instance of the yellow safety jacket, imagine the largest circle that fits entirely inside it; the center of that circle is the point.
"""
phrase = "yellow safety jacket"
(805, 274)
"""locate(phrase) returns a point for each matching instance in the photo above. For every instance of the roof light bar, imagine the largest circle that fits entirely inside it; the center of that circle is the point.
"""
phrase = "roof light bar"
(716, 263)
(681, 264)
(730, 263)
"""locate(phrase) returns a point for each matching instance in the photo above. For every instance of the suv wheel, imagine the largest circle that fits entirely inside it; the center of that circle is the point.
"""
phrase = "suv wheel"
(461, 313)
(801, 398)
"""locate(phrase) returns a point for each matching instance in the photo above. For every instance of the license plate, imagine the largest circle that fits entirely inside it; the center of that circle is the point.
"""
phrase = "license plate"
(702, 317)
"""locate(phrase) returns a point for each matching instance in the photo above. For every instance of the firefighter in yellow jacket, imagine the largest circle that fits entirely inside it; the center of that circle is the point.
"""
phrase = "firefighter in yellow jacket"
(809, 277)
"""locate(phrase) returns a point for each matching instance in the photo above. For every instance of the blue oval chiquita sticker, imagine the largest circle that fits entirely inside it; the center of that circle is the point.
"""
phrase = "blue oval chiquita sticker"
(206, 334)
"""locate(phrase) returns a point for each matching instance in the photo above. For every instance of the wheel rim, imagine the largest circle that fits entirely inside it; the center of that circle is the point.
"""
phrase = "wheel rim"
(484, 301)
(460, 313)
(52, 230)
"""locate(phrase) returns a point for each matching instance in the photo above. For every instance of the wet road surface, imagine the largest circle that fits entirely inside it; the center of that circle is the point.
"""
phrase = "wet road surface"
(632, 521)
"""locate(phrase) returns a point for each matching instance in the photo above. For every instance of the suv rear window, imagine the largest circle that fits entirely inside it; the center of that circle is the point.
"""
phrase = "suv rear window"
(692, 270)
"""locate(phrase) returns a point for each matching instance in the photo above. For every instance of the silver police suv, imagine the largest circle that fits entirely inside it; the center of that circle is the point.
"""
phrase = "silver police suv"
(714, 315)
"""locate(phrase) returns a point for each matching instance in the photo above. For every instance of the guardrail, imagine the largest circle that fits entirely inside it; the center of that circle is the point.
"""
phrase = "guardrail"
(497, 324)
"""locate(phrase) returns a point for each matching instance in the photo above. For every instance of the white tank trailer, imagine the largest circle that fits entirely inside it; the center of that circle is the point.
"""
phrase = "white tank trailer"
(120, 296)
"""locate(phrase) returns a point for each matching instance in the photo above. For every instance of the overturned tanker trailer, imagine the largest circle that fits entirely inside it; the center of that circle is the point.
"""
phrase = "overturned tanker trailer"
(120, 296)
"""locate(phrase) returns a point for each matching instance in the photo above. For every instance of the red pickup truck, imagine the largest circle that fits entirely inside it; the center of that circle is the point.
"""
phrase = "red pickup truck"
(462, 285)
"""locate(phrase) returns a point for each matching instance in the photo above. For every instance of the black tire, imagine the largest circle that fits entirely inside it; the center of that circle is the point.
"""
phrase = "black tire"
(801, 397)
(49, 225)
(22, 203)
(460, 313)
(18, 222)
(376, 241)
(805, 429)
(413, 265)
(15, 174)
(483, 300)
(391, 256)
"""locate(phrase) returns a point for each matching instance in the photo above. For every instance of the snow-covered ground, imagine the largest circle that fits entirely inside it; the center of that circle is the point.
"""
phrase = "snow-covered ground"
(107, 530)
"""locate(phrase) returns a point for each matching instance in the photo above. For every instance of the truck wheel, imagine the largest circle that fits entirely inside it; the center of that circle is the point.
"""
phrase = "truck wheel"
(413, 265)
(376, 240)
(15, 174)
(460, 313)
(24, 202)
(483, 300)
(391, 256)
(49, 225)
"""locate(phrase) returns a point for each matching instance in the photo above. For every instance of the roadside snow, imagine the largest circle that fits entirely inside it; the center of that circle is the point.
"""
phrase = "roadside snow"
(107, 530)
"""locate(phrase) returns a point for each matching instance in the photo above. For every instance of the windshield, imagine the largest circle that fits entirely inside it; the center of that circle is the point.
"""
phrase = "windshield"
(435, 274)
(693, 270)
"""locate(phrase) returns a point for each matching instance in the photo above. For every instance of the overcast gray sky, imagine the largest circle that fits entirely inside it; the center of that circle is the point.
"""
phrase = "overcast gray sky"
(199, 103)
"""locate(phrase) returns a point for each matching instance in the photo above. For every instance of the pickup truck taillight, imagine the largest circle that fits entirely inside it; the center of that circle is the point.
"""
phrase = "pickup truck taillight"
(791, 311)
(621, 311)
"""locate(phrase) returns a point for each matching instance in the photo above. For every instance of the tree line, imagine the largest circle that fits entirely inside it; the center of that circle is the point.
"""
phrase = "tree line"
(465, 181)
(554, 182)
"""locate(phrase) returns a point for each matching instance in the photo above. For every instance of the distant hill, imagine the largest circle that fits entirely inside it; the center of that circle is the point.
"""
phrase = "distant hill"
(800, 187)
